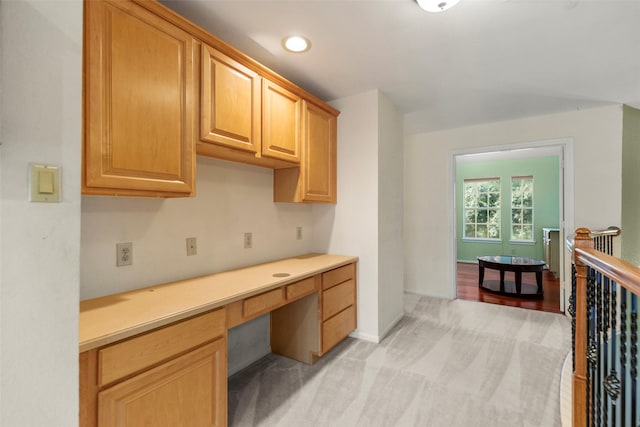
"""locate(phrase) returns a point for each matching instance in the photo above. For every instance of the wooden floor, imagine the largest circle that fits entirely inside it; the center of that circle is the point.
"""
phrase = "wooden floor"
(467, 289)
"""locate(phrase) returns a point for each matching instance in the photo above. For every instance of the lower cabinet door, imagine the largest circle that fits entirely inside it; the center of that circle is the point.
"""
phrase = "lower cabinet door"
(337, 328)
(190, 390)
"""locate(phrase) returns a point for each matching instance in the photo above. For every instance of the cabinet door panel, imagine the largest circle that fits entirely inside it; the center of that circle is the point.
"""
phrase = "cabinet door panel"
(187, 391)
(337, 328)
(338, 298)
(231, 96)
(281, 123)
(127, 357)
(138, 101)
(319, 154)
(338, 275)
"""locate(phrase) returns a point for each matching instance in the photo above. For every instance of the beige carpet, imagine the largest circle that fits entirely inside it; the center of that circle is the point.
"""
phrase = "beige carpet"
(447, 363)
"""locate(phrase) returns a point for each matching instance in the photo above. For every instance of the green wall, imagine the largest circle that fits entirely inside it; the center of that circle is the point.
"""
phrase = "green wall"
(546, 199)
(630, 237)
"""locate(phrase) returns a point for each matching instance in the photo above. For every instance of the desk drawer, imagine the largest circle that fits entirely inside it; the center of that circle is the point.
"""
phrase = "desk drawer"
(338, 275)
(337, 298)
(337, 328)
(262, 303)
(135, 354)
(301, 288)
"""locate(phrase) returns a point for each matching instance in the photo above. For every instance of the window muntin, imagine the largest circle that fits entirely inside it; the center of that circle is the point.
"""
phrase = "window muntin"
(522, 208)
(482, 209)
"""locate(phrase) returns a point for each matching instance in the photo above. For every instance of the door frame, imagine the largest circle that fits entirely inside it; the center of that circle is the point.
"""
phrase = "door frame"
(565, 152)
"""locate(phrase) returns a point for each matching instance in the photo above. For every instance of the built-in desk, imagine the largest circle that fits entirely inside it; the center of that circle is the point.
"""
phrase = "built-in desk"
(157, 355)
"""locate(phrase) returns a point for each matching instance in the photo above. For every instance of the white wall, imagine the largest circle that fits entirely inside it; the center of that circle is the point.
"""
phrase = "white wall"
(367, 221)
(351, 226)
(429, 228)
(41, 75)
(390, 216)
(630, 237)
(231, 199)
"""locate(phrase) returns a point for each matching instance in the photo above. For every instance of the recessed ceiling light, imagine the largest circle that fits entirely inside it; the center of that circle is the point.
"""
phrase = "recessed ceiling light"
(296, 44)
(436, 5)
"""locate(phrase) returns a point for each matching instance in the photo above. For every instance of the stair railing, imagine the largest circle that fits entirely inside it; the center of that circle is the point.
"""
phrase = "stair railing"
(604, 311)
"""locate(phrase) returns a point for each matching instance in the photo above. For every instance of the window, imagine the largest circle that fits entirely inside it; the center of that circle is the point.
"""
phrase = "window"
(482, 208)
(522, 208)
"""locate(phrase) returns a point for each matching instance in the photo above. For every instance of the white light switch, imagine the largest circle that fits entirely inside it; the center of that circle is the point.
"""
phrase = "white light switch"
(44, 183)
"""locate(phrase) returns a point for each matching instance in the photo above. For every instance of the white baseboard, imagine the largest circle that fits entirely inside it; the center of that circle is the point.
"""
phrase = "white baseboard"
(423, 294)
(391, 325)
(365, 337)
(376, 338)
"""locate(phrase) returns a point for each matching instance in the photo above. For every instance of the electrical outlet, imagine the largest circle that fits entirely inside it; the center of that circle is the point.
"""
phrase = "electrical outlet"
(192, 249)
(248, 240)
(298, 233)
(124, 254)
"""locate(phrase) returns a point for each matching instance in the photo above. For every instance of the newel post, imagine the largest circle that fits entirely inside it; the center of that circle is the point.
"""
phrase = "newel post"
(579, 384)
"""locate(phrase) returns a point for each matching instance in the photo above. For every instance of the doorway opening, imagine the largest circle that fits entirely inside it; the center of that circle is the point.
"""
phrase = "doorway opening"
(549, 165)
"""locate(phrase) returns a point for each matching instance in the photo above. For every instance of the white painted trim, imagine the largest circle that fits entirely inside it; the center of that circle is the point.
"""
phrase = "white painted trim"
(377, 338)
(424, 294)
(365, 337)
(565, 150)
(391, 325)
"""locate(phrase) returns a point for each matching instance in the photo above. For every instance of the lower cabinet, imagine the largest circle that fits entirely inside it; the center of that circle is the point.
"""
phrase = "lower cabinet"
(308, 328)
(171, 376)
(176, 375)
(338, 305)
(187, 391)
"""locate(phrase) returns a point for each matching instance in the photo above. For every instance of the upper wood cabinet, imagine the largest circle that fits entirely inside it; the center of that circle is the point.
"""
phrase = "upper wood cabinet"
(315, 179)
(230, 96)
(138, 103)
(281, 122)
(243, 116)
(158, 90)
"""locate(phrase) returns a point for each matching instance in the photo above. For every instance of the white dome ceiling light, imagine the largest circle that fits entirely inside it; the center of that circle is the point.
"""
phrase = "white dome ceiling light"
(436, 5)
(296, 44)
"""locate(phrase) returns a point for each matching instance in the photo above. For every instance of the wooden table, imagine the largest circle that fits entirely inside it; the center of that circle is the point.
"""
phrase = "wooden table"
(518, 265)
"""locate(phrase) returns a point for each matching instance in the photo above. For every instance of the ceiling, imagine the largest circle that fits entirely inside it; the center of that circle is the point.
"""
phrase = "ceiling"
(481, 61)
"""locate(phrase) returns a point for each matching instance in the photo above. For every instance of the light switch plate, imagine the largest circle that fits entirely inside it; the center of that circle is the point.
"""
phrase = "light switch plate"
(44, 183)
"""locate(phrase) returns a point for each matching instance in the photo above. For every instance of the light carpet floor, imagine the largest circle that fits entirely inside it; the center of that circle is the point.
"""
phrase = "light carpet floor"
(447, 363)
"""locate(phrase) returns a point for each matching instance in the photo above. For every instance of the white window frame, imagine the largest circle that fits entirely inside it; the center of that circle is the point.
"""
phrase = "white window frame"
(522, 208)
(496, 209)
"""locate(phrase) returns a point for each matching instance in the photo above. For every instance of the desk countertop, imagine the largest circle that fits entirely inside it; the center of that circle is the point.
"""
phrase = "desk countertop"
(111, 318)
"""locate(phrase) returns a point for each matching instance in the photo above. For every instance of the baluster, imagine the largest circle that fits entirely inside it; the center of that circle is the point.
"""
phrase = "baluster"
(634, 357)
(623, 354)
(591, 350)
(598, 356)
(612, 383)
(603, 353)
(572, 313)
(610, 245)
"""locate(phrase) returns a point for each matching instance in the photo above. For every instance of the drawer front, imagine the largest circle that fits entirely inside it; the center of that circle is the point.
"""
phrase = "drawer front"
(337, 328)
(301, 288)
(337, 298)
(262, 303)
(338, 275)
(135, 354)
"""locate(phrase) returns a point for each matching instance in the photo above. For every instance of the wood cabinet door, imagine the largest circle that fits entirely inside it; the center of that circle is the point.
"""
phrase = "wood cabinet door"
(280, 122)
(188, 391)
(319, 144)
(230, 109)
(139, 105)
